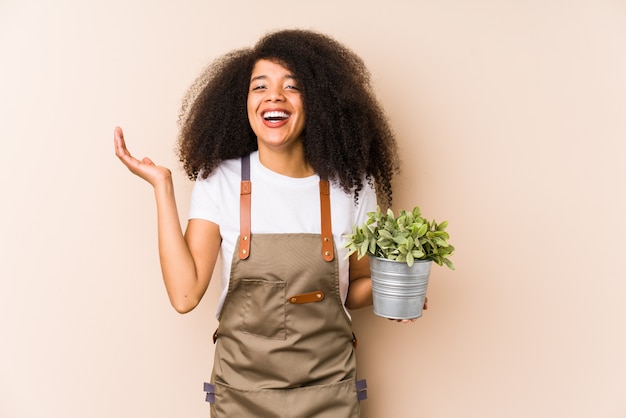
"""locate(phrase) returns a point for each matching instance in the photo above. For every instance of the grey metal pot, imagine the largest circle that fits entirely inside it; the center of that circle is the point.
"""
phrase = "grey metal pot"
(399, 290)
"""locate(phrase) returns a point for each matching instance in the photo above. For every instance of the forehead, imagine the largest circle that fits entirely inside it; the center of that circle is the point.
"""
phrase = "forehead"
(270, 67)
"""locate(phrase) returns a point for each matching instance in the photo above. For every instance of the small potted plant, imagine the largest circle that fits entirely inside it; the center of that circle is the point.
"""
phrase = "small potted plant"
(401, 250)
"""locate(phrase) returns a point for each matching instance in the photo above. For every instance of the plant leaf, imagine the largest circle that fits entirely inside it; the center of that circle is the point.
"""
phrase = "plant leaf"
(409, 259)
(400, 240)
(417, 254)
(372, 245)
(440, 242)
(385, 234)
(363, 248)
(449, 264)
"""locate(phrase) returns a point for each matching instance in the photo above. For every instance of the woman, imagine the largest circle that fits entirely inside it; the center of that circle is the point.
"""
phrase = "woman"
(289, 149)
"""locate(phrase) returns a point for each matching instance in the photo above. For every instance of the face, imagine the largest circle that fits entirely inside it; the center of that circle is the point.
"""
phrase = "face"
(275, 108)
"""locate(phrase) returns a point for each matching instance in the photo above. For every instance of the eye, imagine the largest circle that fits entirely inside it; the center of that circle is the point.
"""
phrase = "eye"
(258, 87)
(291, 87)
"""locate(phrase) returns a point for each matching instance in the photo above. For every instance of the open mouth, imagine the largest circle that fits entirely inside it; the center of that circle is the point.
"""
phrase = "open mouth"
(275, 116)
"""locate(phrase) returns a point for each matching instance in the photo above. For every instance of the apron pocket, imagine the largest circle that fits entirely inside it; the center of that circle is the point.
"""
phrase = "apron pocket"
(332, 400)
(264, 312)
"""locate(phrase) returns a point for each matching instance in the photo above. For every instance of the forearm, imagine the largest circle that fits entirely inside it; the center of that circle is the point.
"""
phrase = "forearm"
(177, 264)
(360, 293)
(179, 260)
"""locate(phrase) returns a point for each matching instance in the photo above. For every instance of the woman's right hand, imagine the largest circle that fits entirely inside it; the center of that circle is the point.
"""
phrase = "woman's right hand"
(146, 169)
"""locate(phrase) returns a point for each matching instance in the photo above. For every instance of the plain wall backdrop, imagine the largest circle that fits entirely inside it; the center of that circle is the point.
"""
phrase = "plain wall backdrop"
(511, 117)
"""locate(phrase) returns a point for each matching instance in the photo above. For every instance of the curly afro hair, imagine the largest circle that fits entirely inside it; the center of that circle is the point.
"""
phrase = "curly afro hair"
(347, 137)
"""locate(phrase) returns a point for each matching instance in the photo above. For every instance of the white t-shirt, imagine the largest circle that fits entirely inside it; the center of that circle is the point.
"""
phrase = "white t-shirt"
(280, 204)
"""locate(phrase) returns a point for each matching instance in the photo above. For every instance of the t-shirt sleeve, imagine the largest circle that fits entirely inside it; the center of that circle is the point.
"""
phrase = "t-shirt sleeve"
(204, 204)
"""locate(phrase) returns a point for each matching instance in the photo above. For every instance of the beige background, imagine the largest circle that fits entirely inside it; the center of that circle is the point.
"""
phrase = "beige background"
(511, 118)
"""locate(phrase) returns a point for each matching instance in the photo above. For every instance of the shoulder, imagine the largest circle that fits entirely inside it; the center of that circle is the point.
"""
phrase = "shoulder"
(226, 170)
(351, 206)
(366, 196)
(217, 194)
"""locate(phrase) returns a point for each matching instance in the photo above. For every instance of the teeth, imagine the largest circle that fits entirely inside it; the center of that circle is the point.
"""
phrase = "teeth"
(275, 115)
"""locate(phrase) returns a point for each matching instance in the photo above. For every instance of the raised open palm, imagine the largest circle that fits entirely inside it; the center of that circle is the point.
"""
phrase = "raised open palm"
(144, 168)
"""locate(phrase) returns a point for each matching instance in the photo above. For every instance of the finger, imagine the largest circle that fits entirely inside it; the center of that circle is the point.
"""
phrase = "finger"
(122, 152)
(147, 161)
(118, 134)
(120, 144)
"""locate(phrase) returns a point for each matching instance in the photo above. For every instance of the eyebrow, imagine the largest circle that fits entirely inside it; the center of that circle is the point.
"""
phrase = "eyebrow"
(264, 77)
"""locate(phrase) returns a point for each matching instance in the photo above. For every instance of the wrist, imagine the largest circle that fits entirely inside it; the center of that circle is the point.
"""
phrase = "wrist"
(163, 185)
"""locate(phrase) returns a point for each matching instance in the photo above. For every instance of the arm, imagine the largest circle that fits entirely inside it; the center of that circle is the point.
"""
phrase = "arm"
(187, 261)
(360, 291)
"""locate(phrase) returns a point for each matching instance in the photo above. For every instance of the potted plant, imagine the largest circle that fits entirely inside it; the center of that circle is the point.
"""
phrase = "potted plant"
(401, 250)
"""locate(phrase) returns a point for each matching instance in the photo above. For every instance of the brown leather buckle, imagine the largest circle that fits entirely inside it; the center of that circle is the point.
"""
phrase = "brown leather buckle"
(316, 296)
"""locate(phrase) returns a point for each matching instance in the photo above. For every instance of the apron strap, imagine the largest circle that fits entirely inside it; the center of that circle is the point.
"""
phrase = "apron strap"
(244, 209)
(328, 249)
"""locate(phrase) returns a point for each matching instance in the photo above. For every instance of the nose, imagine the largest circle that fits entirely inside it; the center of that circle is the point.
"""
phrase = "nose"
(274, 94)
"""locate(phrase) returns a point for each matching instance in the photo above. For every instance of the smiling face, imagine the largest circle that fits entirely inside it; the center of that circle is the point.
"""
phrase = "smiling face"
(275, 108)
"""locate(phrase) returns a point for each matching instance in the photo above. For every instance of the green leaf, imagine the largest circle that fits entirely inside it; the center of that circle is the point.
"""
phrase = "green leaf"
(372, 245)
(400, 239)
(417, 254)
(385, 234)
(385, 243)
(449, 264)
(363, 248)
(409, 259)
(410, 243)
(440, 242)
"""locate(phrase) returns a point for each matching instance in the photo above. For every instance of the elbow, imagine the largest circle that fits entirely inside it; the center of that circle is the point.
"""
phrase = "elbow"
(358, 301)
(353, 305)
(359, 293)
(350, 306)
(184, 305)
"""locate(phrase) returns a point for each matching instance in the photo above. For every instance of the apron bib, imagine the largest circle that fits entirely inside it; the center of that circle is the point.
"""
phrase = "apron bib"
(284, 346)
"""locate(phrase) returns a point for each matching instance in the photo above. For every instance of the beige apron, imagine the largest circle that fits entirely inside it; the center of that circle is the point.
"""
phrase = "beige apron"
(285, 346)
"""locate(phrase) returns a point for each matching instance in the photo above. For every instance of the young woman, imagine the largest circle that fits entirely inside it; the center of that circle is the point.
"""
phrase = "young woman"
(289, 149)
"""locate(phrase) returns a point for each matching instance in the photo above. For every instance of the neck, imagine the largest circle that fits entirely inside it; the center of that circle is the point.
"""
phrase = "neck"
(288, 162)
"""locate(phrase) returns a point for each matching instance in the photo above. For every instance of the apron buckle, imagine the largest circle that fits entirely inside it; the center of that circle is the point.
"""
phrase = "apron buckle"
(210, 392)
(316, 296)
(361, 390)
